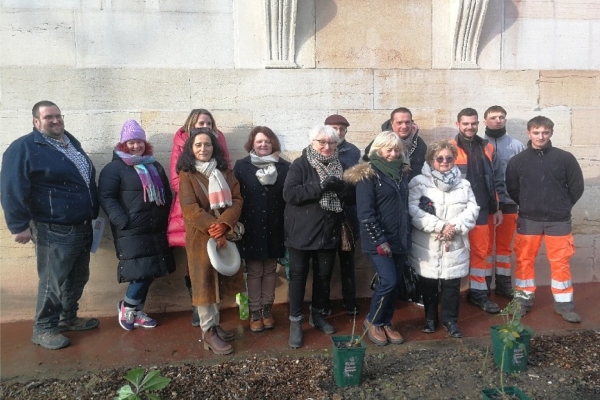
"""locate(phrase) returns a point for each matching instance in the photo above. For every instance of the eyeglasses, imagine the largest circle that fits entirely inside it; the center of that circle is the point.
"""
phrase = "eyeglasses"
(440, 159)
(52, 117)
(322, 143)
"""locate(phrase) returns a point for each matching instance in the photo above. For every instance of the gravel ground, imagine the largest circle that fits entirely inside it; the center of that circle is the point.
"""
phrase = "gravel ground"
(565, 366)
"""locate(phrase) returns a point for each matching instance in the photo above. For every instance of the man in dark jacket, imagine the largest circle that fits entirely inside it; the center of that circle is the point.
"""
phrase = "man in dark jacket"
(402, 124)
(49, 196)
(349, 156)
(478, 162)
(545, 182)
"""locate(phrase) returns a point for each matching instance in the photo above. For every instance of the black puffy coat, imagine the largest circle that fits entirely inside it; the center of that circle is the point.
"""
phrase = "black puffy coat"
(307, 225)
(262, 212)
(139, 228)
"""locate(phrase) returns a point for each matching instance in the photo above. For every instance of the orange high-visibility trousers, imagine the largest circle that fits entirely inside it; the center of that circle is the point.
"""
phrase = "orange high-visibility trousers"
(559, 249)
(479, 269)
(502, 236)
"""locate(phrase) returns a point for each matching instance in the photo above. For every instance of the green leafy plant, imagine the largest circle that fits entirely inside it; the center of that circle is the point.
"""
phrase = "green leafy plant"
(142, 385)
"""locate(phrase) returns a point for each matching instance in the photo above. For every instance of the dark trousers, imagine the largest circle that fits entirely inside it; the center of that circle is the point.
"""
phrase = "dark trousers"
(450, 297)
(322, 263)
(391, 275)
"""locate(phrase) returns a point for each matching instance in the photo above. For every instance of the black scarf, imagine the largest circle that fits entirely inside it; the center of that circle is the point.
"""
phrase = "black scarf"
(495, 133)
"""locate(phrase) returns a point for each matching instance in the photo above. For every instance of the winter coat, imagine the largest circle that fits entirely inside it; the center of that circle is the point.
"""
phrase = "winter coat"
(545, 183)
(176, 229)
(493, 175)
(40, 183)
(458, 207)
(382, 208)
(307, 225)
(506, 147)
(139, 228)
(349, 156)
(262, 212)
(198, 217)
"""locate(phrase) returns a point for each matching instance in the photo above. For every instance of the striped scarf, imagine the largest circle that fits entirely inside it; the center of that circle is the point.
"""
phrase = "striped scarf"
(154, 190)
(219, 193)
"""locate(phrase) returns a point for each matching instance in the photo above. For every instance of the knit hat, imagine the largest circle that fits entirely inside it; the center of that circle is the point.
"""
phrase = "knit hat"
(132, 131)
(336, 119)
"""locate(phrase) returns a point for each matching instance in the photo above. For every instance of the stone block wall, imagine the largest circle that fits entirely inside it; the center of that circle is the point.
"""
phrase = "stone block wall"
(105, 61)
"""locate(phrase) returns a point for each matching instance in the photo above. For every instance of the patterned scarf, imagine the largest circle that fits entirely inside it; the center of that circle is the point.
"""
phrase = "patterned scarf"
(219, 193)
(267, 172)
(445, 181)
(326, 166)
(154, 191)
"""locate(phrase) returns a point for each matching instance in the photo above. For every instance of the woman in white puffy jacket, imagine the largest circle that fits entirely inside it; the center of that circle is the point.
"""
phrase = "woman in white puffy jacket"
(443, 210)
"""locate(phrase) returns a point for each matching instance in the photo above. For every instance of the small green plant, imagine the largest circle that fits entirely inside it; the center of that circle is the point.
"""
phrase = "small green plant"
(142, 385)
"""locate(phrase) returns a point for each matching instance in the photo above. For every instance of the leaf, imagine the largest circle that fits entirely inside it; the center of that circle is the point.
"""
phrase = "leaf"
(135, 376)
(157, 383)
(126, 393)
(152, 396)
(148, 378)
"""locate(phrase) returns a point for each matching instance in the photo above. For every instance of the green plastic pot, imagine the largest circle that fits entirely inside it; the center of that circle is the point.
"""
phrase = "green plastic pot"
(347, 361)
(515, 359)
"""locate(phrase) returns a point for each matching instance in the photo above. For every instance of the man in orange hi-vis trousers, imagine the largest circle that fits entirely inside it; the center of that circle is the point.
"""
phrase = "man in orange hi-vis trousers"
(501, 237)
(477, 161)
(545, 182)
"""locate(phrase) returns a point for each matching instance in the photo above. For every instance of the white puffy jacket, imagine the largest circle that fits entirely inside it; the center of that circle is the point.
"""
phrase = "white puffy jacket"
(458, 207)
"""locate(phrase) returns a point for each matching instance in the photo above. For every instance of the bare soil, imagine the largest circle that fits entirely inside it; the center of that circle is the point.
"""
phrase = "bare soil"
(565, 366)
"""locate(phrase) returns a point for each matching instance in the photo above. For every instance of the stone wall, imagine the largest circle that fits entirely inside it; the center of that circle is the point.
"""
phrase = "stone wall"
(105, 61)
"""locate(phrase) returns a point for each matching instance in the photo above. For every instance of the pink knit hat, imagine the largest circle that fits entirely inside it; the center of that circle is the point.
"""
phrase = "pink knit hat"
(132, 131)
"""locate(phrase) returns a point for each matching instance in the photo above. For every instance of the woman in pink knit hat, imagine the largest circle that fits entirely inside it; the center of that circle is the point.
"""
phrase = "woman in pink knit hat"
(198, 118)
(134, 193)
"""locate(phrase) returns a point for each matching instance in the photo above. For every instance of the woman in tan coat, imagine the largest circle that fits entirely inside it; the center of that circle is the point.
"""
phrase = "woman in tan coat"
(203, 161)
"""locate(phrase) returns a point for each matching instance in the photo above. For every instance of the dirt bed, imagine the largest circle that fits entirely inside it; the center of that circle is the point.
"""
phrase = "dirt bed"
(565, 366)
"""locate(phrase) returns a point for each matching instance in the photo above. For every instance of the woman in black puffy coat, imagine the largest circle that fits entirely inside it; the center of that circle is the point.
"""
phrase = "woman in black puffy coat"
(261, 176)
(134, 192)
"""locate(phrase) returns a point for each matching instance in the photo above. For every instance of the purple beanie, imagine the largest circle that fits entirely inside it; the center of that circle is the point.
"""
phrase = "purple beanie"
(132, 131)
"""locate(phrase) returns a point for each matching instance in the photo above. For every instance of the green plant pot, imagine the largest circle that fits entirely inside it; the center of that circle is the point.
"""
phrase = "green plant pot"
(509, 390)
(347, 361)
(515, 359)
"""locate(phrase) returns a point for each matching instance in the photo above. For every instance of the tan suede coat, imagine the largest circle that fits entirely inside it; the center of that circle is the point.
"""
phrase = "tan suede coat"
(198, 217)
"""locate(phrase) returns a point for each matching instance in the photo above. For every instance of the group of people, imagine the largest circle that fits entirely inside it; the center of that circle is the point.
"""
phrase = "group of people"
(441, 209)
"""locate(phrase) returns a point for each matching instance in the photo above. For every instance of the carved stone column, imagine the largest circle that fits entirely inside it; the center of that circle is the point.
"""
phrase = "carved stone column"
(469, 22)
(281, 32)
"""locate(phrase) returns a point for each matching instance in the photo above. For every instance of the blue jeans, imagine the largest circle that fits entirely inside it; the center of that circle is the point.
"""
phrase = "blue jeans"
(322, 263)
(391, 276)
(63, 264)
(137, 292)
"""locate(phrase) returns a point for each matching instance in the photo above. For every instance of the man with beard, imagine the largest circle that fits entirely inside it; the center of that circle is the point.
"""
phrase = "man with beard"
(478, 162)
(501, 237)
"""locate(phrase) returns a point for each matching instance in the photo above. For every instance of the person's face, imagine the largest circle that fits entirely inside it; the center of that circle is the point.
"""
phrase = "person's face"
(262, 145)
(402, 124)
(468, 126)
(202, 147)
(50, 122)
(324, 146)
(495, 120)
(443, 160)
(136, 147)
(341, 130)
(204, 121)
(389, 153)
(539, 136)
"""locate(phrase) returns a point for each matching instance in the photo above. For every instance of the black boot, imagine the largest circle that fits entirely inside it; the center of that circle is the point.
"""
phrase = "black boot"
(295, 334)
(318, 321)
(504, 286)
(195, 316)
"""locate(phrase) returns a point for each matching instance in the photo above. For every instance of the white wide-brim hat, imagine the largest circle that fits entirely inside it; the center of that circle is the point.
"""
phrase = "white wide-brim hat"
(225, 260)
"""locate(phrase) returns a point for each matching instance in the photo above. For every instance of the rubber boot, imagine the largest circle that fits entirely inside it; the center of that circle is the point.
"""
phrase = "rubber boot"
(295, 334)
(195, 316)
(213, 342)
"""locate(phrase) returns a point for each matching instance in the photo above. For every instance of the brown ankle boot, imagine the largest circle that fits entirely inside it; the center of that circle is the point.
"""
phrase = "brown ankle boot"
(213, 342)
(267, 317)
(256, 323)
(225, 336)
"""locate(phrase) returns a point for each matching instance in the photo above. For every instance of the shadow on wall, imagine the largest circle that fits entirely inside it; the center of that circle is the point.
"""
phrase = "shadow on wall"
(496, 23)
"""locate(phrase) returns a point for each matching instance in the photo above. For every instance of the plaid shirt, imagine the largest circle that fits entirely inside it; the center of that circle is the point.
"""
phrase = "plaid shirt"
(80, 161)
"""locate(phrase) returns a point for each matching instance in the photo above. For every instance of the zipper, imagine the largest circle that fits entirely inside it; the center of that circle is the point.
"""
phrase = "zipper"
(50, 201)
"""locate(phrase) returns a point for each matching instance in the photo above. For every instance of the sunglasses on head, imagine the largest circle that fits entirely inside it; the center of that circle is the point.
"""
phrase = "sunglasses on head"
(440, 159)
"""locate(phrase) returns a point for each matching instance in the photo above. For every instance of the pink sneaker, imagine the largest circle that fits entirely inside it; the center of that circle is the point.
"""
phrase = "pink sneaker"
(126, 316)
(143, 321)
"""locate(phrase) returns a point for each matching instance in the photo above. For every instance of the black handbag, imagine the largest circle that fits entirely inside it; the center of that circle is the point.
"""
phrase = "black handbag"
(410, 290)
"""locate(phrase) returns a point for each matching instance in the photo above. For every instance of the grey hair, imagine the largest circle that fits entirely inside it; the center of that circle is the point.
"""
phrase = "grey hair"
(385, 140)
(326, 130)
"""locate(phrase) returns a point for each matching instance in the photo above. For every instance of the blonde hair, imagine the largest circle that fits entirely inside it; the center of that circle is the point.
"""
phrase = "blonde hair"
(387, 139)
